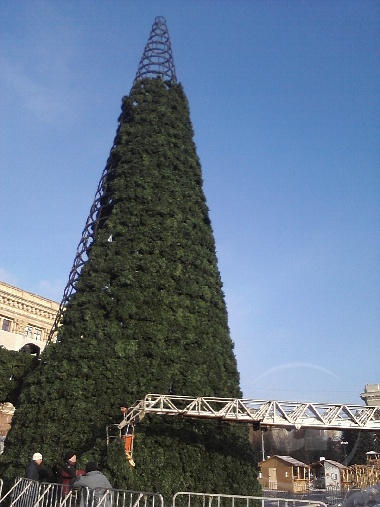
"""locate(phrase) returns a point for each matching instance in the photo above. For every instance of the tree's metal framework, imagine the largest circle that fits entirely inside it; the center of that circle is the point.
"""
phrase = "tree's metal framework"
(261, 413)
(101, 199)
(157, 61)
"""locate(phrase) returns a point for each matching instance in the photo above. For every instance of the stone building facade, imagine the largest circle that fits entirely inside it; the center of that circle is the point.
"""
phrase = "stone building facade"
(25, 318)
(371, 395)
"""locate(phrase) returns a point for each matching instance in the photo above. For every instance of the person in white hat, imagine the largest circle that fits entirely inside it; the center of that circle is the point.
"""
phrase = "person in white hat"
(33, 467)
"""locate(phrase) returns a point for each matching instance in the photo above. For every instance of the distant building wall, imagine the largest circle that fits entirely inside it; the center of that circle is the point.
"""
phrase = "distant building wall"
(24, 318)
(6, 414)
(371, 395)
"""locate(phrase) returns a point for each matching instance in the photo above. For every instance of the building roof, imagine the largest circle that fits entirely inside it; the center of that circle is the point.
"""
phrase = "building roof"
(332, 462)
(288, 459)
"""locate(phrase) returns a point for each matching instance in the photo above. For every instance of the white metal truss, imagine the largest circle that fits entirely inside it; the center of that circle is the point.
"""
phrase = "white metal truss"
(261, 413)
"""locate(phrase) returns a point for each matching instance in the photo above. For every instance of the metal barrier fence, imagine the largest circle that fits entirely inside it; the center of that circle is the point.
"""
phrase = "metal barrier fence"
(190, 499)
(330, 496)
(336, 496)
(28, 493)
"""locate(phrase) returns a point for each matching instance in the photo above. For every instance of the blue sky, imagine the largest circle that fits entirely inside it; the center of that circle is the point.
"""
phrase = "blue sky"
(285, 104)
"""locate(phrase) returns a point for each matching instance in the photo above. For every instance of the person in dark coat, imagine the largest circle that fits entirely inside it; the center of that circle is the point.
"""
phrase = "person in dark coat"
(69, 472)
(94, 480)
(46, 474)
(32, 469)
(32, 472)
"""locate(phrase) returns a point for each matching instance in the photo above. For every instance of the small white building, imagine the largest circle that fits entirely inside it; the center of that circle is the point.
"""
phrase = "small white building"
(327, 473)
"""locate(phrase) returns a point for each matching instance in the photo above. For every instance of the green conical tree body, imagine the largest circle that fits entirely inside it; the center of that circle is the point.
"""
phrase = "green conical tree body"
(148, 316)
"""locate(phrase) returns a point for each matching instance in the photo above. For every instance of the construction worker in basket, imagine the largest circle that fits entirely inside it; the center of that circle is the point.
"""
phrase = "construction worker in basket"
(127, 432)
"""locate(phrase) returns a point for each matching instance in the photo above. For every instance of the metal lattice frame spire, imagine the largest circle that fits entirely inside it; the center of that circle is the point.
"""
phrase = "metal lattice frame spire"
(157, 59)
(101, 200)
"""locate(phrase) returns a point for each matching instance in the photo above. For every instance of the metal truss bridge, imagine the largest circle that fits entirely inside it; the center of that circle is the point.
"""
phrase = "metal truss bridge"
(260, 413)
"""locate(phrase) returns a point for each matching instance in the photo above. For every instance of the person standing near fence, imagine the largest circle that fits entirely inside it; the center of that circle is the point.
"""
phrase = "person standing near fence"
(94, 480)
(69, 471)
(32, 469)
(32, 473)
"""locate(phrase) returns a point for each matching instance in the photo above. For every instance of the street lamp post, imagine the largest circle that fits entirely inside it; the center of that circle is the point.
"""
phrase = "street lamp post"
(344, 443)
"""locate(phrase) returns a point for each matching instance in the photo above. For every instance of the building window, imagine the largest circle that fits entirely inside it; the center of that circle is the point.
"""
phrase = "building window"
(28, 332)
(37, 334)
(6, 325)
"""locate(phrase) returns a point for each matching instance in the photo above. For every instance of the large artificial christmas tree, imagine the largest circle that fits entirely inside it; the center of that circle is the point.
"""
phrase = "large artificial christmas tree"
(143, 312)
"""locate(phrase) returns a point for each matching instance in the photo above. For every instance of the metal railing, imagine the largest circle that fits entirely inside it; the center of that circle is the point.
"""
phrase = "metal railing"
(329, 496)
(112, 432)
(29, 493)
(190, 499)
(127, 498)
